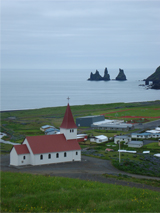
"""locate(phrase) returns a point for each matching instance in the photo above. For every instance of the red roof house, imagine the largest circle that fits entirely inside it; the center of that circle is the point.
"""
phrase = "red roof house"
(47, 149)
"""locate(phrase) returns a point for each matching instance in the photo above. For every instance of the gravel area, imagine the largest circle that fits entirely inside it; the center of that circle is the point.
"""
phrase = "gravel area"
(88, 168)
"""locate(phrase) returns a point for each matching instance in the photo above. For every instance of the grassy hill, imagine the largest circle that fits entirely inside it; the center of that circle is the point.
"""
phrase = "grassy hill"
(37, 193)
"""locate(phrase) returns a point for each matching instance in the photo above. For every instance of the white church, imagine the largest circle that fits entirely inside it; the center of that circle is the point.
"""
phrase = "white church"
(49, 149)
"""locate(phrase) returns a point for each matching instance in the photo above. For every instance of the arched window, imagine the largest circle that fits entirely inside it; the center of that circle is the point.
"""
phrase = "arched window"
(24, 157)
(49, 156)
(65, 154)
(57, 155)
(41, 157)
(76, 153)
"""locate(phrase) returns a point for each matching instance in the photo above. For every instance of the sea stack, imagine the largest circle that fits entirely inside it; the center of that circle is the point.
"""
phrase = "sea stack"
(95, 77)
(121, 76)
(106, 75)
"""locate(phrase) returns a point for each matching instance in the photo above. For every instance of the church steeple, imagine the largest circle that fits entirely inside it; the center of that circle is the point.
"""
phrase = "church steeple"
(68, 126)
(68, 121)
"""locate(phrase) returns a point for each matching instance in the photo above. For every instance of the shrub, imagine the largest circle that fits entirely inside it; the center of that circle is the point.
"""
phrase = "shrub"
(148, 166)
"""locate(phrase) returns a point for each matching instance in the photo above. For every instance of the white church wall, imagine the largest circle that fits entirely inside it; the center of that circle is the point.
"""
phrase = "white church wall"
(57, 157)
(31, 153)
(13, 157)
(77, 155)
(24, 159)
(19, 160)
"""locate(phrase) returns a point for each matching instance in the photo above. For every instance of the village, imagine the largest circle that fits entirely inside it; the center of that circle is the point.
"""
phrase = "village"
(64, 144)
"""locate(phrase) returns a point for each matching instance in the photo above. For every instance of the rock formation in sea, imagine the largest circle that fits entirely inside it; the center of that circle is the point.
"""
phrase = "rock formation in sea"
(155, 79)
(98, 77)
(95, 77)
(121, 76)
(106, 75)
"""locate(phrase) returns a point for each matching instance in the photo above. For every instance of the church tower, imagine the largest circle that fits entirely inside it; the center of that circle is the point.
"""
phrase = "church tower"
(68, 126)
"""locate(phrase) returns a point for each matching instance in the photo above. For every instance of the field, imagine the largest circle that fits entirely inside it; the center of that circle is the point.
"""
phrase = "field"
(22, 123)
(37, 193)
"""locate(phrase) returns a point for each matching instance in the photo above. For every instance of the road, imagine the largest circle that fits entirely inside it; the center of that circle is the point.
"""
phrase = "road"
(149, 125)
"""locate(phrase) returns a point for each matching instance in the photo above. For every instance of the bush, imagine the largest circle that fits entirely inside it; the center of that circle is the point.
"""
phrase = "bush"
(149, 165)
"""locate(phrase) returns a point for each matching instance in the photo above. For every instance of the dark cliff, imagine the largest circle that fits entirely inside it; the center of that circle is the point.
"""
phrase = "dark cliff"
(121, 76)
(155, 78)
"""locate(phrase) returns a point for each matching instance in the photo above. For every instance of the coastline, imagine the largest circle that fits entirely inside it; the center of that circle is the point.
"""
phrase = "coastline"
(135, 102)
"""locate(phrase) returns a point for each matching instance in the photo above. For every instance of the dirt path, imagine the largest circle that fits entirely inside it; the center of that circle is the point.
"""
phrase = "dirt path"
(88, 168)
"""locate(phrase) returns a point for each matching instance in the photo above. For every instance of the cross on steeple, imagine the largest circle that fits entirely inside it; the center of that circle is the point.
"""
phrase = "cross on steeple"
(68, 99)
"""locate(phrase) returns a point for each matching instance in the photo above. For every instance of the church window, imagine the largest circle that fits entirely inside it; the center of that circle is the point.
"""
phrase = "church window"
(41, 157)
(65, 154)
(76, 153)
(57, 155)
(24, 157)
(49, 156)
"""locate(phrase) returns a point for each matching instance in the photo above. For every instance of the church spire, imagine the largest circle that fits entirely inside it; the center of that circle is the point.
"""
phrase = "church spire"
(68, 121)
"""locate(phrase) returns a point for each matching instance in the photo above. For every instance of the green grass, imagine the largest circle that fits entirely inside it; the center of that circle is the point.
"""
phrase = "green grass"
(5, 148)
(37, 193)
(152, 146)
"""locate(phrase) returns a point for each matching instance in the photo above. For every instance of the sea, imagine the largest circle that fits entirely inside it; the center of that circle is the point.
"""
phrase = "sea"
(40, 88)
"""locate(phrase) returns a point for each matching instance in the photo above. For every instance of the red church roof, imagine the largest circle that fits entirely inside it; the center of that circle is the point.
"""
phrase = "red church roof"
(51, 143)
(21, 149)
(68, 121)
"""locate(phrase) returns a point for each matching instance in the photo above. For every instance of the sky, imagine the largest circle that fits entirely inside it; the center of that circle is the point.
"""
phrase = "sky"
(85, 34)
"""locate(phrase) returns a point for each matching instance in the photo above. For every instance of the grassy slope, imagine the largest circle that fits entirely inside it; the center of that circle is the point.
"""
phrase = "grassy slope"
(36, 193)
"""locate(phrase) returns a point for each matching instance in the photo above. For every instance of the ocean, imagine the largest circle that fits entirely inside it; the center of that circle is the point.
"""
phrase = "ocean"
(32, 89)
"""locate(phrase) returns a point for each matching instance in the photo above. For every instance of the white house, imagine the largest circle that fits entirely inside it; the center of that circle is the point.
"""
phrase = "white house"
(135, 144)
(48, 149)
(120, 138)
(99, 139)
(144, 135)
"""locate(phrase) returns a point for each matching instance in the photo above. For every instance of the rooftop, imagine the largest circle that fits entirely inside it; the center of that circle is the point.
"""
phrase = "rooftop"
(51, 143)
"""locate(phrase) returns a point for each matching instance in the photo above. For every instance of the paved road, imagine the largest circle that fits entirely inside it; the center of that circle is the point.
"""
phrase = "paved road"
(149, 125)
(88, 168)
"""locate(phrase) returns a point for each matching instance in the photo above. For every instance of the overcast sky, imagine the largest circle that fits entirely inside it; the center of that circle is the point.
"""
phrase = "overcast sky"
(69, 34)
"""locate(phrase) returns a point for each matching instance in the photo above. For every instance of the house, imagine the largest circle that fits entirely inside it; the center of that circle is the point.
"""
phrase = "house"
(82, 137)
(144, 135)
(120, 138)
(156, 135)
(135, 144)
(112, 125)
(45, 127)
(99, 139)
(51, 131)
(48, 149)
